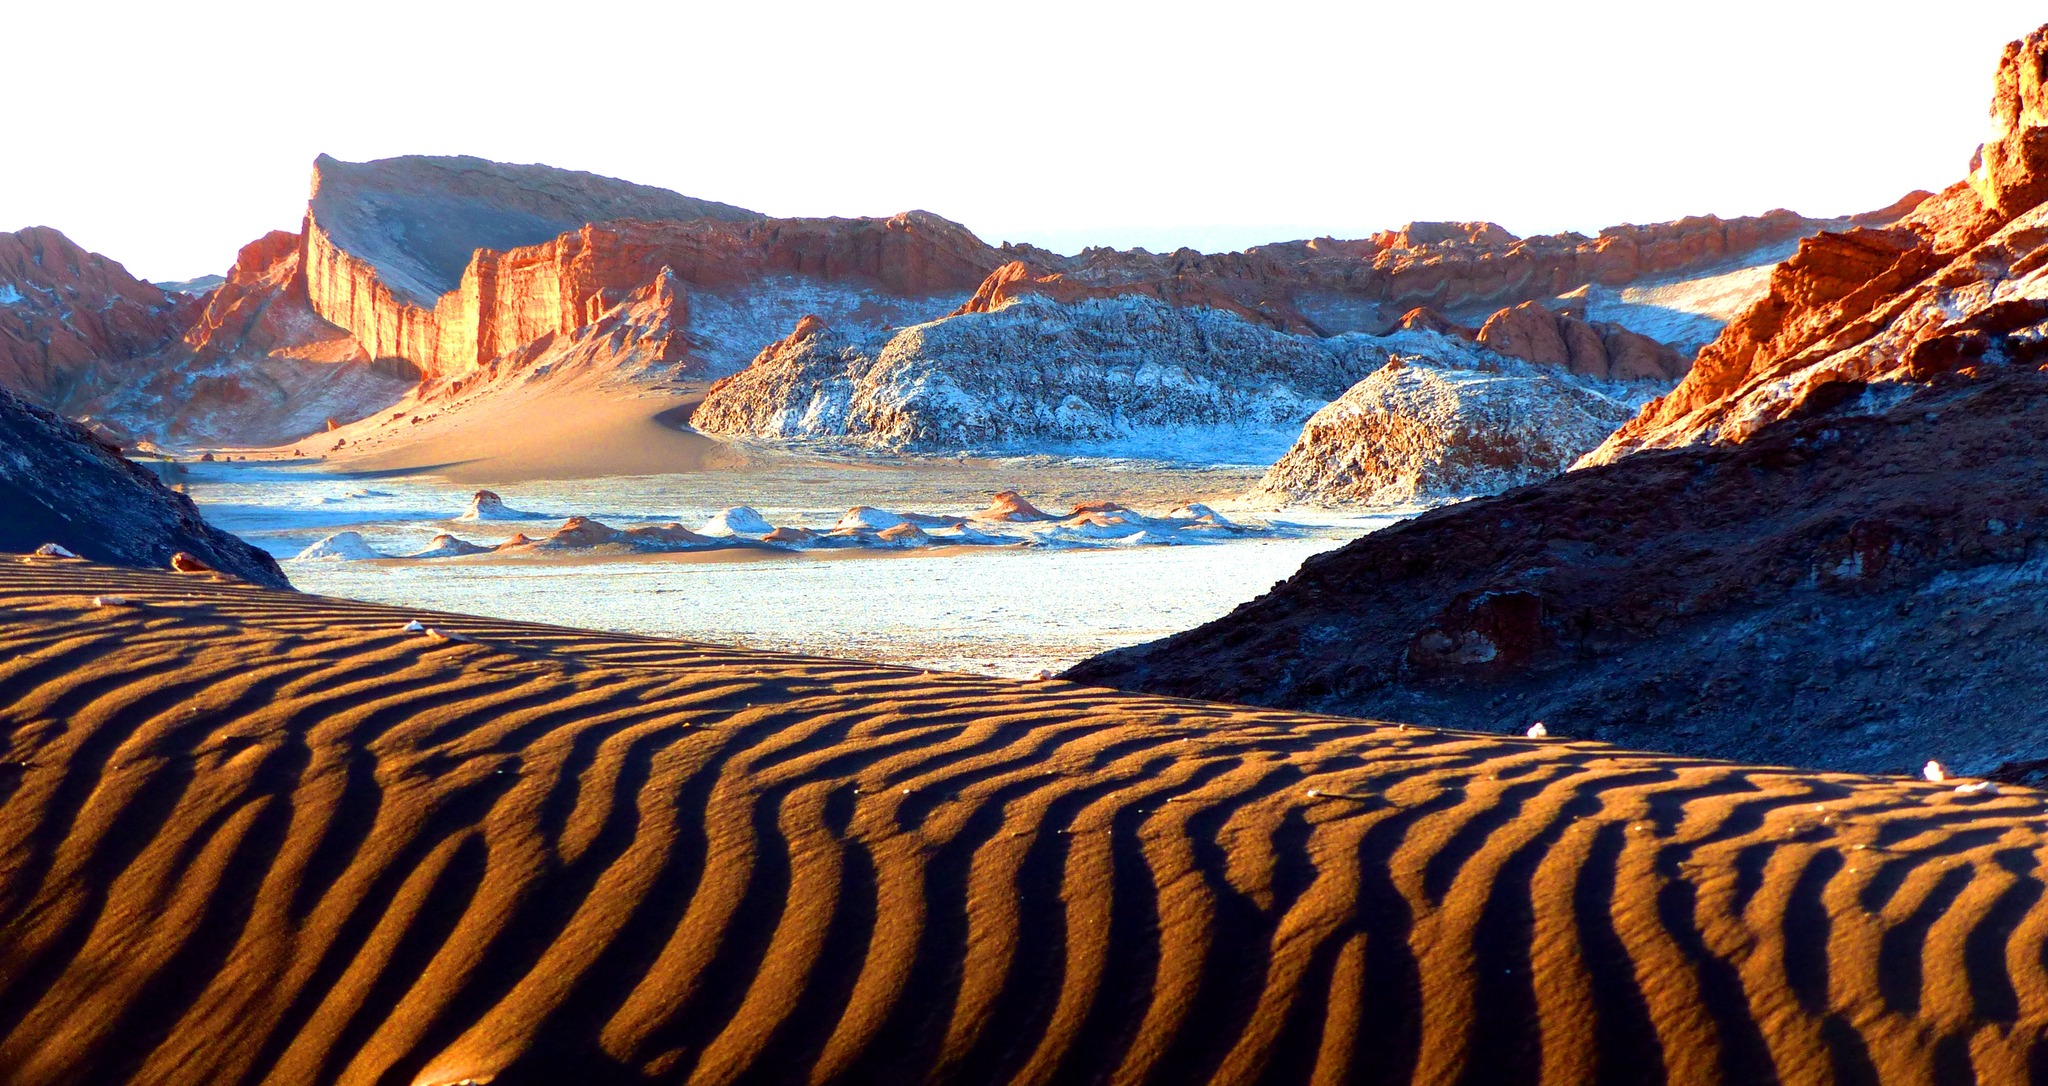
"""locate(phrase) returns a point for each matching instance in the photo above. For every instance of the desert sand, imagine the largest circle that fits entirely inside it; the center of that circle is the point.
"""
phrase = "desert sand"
(256, 836)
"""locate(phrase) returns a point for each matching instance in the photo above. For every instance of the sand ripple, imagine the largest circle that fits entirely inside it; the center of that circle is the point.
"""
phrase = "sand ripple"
(249, 836)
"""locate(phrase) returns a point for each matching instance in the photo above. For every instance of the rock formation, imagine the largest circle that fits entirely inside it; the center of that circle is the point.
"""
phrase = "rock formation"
(452, 263)
(487, 505)
(495, 287)
(60, 485)
(1855, 593)
(1441, 425)
(73, 323)
(256, 365)
(1857, 318)
(417, 220)
(1036, 370)
(456, 273)
(1326, 285)
(1532, 332)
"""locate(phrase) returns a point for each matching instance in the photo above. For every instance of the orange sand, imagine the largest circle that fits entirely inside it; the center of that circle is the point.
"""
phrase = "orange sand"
(257, 837)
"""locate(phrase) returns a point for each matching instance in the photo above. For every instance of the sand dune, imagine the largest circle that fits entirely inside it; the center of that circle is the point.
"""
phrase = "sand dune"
(256, 837)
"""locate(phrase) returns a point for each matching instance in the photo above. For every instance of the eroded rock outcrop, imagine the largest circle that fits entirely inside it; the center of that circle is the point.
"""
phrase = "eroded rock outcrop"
(1327, 285)
(60, 485)
(1442, 425)
(1858, 317)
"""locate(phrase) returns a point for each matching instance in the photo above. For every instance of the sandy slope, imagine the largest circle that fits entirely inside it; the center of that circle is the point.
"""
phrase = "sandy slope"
(571, 429)
(249, 836)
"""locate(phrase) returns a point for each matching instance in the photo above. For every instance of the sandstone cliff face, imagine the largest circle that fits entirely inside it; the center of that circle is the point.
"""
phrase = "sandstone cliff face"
(1438, 422)
(505, 300)
(1857, 593)
(448, 264)
(1956, 287)
(416, 220)
(72, 323)
(59, 485)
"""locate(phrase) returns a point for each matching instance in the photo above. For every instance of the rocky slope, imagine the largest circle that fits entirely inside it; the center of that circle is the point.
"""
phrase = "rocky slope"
(1035, 370)
(1418, 414)
(73, 323)
(1442, 424)
(60, 485)
(256, 366)
(1856, 593)
(1857, 318)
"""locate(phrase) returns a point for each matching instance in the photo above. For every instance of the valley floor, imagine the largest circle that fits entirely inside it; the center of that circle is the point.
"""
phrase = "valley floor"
(992, 610)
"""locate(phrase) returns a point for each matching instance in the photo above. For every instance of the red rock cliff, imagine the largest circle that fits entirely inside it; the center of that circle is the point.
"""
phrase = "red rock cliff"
(1951, 287)
(507, 299)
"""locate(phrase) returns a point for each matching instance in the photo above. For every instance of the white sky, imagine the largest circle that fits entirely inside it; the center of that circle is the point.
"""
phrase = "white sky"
(168, 134)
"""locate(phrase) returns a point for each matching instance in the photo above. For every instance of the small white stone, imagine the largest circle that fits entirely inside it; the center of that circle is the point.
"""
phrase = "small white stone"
(110, 601)
(1977, 788)
(415, 626)
(1538, 731)
(1934, 771)
(55, 550)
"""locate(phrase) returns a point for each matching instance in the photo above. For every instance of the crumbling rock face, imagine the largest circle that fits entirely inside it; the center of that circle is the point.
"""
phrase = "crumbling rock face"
(1857, 318)
(1820, 594)
(60, 485)
(1438, 424)
(72, 323)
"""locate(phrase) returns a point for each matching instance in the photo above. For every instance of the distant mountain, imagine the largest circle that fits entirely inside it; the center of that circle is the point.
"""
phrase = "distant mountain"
(426, 275)
(197, 286)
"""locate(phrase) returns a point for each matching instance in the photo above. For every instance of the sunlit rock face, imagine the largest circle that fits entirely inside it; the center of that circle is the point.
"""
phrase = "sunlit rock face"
(1857, 319)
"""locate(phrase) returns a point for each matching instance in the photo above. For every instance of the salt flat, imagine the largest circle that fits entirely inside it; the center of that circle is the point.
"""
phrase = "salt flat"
(1005, 611)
